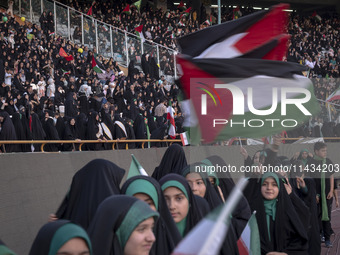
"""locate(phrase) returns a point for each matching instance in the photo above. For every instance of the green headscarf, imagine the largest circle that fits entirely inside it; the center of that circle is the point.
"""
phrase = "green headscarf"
(138, 212)
(324, 216)
(143, 186)
(270, 205)
(180, 225)
(211, 174)
(304, 161)
(66, 233)
(4, 250)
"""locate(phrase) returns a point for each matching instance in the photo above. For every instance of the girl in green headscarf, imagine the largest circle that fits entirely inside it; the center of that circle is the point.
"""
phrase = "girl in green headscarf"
(123, 225)
(61, 236)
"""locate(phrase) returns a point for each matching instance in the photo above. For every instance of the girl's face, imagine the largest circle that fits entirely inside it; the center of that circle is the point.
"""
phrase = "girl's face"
(177, 202)
(269, 189)
(141, 239)
(147, 199)
(196, 184)
(75, 246)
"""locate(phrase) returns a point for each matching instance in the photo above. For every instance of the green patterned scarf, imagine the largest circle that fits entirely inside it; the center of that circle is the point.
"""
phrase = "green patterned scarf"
(323, 196)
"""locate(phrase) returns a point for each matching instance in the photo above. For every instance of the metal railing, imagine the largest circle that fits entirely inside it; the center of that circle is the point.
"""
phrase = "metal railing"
(115, 143)
(109, 41)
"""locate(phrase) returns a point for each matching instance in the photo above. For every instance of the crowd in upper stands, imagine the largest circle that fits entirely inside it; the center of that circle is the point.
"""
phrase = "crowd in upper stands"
(49, 97)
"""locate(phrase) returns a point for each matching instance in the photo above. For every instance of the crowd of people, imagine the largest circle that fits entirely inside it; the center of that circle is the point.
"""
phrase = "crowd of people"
(47, 96)
(293, 208)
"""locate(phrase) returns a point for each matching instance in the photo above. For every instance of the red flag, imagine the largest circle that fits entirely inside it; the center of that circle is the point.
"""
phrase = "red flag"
(62, 53)
(90, 11)
(127, 9)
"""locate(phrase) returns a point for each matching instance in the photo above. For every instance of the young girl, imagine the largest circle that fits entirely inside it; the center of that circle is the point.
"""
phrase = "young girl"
(123, 225)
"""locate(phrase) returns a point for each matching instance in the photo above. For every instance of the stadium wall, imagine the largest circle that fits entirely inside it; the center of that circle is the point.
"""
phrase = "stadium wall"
(32, 185)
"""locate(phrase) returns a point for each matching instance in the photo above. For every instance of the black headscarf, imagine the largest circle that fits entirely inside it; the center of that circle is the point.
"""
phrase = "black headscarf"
(93, 183)
(114, 212)
(166, 232)
(8, 131)
(173, 161)
(288, 233)
(195, 213)
(210, 195)
(53, 235)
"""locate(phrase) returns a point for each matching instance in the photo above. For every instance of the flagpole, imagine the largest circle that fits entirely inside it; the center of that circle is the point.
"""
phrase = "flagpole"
(219, 11)
(227, 210)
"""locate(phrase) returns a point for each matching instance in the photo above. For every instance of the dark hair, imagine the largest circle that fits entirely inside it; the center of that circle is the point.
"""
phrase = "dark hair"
(319, 146)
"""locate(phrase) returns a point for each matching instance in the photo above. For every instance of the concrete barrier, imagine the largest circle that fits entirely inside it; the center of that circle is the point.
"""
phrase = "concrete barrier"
(32, 185)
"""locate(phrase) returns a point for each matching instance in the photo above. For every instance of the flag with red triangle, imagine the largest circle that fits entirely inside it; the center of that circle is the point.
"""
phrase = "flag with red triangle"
(90, 11)
(96, 67)
(181, 6)
(242, 49)
(316, 16)
(139, 32)
(127, 10)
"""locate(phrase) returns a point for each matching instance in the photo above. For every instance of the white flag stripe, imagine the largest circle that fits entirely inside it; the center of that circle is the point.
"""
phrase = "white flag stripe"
(224, 49)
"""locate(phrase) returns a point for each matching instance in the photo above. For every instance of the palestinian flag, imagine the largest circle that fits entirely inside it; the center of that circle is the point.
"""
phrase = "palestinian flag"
(137, 4)
(51, 34)
(243, 54)
(334, 96)
(90, 11)
(105, 28)
(135, 168)
(181, 6)
(181, 24)
(168, 15)
(170, 28)
(139, 32)
(249, 242)
(173, 36)
(127, 10)
(316, 16)
(207, 22)
(209, 234)
(296, 25)
(63, 54)
(237, 13)
(96, 67)
(65, 72)
(170, 117)
(187, 12)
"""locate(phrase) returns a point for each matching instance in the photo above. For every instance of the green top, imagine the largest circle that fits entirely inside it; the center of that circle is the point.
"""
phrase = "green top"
(4, 250)
(66, 233)
(145, 187)
(138, 212)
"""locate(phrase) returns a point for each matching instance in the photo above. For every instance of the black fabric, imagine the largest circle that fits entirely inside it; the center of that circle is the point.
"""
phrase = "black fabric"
(51, 134)
(314, 242)
(42, 242)
(8, 132)
(106, 222)
(166, 232)
(173, 161)
(71, 133)
(210, 195)
(288, 233)
(37, 130)
(93, 183)
(195, 213)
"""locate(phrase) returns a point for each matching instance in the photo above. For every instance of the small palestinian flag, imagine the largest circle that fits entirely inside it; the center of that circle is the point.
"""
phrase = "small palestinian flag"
(181, 6)
(334, 96)
(127, 10)
(168, 15)
(173, 36)
(296, 25)
(105, 28)
(139, 32)
(96, 67)
(237, 13)
(181, 24)
(51, 34)
(316, 16)
(207, 22)
(186, 13)
(65, 72)
(90, 11)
